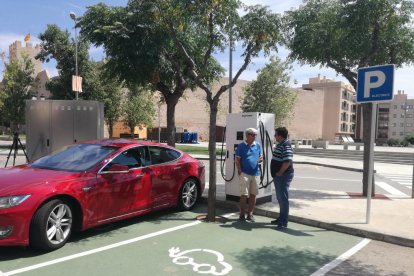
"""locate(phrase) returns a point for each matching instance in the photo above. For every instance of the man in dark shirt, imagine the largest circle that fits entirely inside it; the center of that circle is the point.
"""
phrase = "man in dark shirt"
(281, 168)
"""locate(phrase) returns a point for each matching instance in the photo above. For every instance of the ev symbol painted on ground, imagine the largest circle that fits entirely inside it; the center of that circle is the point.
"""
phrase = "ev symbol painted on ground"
(184, 258)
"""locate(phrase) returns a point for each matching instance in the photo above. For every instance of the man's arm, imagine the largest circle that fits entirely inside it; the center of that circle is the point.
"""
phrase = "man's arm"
(237, 160)
(283, 168)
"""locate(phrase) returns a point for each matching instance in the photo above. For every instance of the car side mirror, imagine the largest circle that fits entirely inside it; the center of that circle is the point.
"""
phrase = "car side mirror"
(118, 168)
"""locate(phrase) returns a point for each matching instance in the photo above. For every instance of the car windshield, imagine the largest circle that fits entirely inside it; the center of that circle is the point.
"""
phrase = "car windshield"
(79, 157)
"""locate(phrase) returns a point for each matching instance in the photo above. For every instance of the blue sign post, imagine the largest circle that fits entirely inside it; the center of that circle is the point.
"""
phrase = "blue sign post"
(374, 84)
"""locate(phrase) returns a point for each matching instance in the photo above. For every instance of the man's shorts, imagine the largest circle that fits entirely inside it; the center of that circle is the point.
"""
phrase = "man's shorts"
(248, 184)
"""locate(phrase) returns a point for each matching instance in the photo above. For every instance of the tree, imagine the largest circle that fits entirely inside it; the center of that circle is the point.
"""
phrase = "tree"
(18, 85)
(56, 44)
(270, 92)
(108, 90)
(410, 138)
(140, 49)
(211, 24)
(139, 108)
(346, 35)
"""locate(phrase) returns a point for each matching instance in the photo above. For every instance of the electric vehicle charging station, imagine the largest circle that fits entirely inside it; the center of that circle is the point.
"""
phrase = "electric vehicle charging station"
(236, 124)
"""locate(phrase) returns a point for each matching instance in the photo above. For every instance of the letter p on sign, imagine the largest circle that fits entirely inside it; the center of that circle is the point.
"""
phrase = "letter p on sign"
(375, 83)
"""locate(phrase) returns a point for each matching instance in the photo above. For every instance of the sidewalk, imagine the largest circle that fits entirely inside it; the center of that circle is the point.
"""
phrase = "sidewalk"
(391, 220)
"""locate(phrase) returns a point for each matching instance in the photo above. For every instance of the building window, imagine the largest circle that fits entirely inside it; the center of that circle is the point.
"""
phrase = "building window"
(402, 115)
(394, 115)
(393, 134)
(409, 115)
(401, 133)
(409, 125)
(401, 124)
(410, 107)
(394, 124)
(395, 107)
(402, 106)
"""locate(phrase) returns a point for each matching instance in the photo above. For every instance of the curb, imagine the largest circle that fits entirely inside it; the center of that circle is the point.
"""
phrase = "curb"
(330, 166)
(232, 205)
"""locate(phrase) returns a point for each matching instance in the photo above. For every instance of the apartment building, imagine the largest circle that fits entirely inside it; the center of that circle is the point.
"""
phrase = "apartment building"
(395, 118)
(325, 109)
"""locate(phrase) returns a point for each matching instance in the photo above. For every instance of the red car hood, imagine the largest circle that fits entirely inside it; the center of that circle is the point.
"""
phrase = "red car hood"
(22, 178)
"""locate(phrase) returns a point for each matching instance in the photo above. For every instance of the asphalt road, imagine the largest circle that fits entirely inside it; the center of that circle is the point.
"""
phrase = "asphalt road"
(319, 178)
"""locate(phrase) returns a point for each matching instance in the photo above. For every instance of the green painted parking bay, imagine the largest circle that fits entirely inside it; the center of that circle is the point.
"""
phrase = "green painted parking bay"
(174, 243)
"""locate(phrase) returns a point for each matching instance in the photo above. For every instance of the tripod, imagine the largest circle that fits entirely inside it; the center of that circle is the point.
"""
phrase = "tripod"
(15, 147)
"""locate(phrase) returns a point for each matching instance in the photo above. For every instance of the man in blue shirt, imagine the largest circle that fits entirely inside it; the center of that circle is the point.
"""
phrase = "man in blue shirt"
(281, 169)
(248, 157)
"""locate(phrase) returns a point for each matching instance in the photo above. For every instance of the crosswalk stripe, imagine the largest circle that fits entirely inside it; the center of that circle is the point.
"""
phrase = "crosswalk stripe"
(389, 188)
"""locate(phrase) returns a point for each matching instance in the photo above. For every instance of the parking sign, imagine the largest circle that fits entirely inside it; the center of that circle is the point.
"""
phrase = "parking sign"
(375, 83)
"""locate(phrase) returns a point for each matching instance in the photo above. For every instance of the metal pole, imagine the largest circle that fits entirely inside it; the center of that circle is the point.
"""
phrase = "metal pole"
(159, 122)
(371, 159)
(76, 57)
(73, 17)
(412, 184)
(230, 72)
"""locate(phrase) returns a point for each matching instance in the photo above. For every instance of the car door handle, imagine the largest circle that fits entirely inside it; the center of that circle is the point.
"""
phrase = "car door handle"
(86, 189)
(139, 175)
(177, 168)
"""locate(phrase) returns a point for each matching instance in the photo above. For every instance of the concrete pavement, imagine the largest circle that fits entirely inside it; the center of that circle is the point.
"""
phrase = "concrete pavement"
(391, 218)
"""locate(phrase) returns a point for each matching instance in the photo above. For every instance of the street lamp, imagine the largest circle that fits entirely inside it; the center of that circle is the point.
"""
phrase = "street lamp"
(73, 16)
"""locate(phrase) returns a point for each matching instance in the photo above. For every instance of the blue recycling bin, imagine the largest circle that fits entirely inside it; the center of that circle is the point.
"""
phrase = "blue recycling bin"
(194, 138)
(186, 137)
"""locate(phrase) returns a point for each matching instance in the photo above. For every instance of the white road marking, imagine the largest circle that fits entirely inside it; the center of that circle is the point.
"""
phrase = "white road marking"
(329, 266)
(100, 249)
(335, 179)
(389, 189)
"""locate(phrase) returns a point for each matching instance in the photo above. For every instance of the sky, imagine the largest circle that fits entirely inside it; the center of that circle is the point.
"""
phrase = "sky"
(20, 17)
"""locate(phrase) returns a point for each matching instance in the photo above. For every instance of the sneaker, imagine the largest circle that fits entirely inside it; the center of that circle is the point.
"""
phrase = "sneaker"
(250, 218)
(281, 227)
(276, 221)
(242, 218)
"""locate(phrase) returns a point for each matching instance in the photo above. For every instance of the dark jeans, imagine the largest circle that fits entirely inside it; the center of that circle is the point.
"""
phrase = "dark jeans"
(282, 184)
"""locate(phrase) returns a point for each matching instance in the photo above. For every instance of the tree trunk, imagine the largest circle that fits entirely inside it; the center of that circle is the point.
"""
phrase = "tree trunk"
(111, 130)
(366, 130)
(211, 215)
(171, 122)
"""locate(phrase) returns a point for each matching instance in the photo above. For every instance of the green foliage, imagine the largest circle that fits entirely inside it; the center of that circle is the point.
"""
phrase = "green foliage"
(410, 138)
(18, 86)
(139, 108)
(56, 44)
(140, 48)
(270, 93)
(109, 91)
(347, 35)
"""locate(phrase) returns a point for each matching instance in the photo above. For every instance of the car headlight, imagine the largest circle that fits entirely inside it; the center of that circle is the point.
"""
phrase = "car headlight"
(11, 201)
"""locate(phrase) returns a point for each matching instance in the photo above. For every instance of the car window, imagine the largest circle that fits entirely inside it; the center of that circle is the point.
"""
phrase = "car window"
(133, 158)
(79, 157)
(161, 155)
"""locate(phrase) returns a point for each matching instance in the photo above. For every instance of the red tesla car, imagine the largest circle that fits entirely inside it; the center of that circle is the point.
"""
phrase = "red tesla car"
(92, 183)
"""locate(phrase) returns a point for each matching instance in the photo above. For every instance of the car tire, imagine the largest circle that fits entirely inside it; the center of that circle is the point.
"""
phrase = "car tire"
(51, 225)
(188, 195)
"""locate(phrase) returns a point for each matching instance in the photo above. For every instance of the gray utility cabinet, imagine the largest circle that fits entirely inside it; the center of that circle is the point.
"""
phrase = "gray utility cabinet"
(53, 124)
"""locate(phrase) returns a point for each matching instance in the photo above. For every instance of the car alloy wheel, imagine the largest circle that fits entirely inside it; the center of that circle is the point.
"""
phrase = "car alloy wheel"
(188, 194)
(59, 224)
(51, 225)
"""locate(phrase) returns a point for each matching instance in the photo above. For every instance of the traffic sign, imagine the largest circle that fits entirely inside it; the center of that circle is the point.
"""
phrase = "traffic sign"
(375, 83)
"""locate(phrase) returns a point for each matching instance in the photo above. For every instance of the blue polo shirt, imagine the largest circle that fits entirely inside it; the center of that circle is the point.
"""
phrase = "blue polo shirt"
(248, 158)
